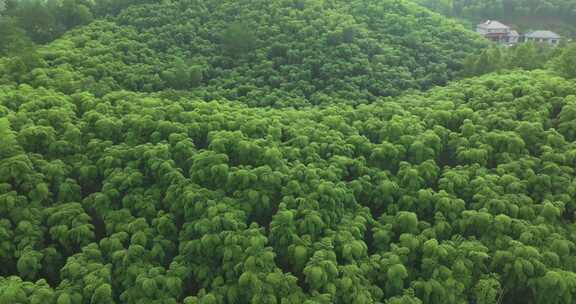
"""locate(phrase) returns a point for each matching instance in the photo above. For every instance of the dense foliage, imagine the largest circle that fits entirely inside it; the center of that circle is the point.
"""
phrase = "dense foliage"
(174, 152)
(565, 63)
(464, 194)
(262, 52)
(524, 56)
(45, 20)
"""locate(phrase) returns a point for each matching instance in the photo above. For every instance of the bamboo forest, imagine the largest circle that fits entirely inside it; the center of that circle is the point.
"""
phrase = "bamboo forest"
(284, 152)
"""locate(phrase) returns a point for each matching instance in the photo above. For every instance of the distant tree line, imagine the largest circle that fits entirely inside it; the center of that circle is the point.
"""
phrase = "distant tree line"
(565, 9)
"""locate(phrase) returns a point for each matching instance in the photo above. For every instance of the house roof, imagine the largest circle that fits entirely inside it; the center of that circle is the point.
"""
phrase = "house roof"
(514, 34)
(493, 24)
(543, 34)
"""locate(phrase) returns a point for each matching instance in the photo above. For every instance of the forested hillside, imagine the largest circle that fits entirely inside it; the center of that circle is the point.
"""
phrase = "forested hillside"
(281, 151)
(280, 53)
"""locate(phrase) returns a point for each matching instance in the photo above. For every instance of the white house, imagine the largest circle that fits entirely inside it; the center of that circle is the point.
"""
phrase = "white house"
(543, 37)
(497, 32)
(503, 34)
(492, 27)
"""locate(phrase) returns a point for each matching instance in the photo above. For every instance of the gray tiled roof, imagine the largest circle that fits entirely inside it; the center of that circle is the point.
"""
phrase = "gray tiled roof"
(543, 34)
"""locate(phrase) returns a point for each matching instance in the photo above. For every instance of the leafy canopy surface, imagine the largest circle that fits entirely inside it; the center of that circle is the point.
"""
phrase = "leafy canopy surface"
(463, 194)
(140, 161)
